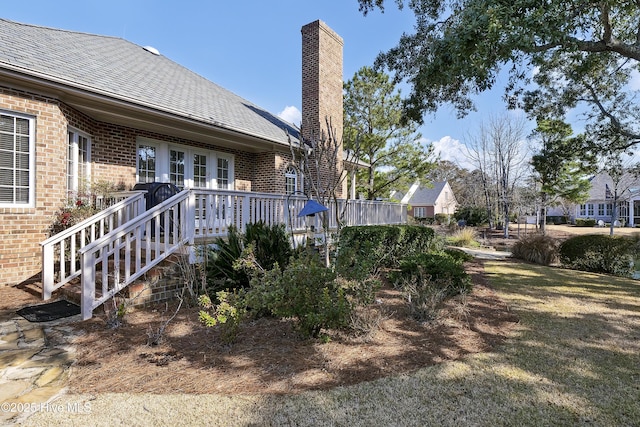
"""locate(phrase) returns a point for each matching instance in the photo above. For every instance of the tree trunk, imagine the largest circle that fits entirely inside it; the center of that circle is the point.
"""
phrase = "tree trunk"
(614, 213)
(505, 232)
(543, 216)
(371, 184)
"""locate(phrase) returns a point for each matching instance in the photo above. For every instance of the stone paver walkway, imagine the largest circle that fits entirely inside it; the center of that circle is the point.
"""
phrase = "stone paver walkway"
(34, 363)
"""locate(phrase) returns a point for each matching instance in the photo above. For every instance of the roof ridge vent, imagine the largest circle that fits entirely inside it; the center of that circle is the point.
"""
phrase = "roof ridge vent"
(152, 50)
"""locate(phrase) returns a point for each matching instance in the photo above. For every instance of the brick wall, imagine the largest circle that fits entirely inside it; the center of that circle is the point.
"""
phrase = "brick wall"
(269, 172)
(22, 229)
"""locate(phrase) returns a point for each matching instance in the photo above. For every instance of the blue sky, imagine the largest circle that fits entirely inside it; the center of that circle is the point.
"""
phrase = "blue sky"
(252, 48)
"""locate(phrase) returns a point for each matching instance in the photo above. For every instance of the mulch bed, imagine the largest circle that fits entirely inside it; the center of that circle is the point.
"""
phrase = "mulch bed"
(270, 357)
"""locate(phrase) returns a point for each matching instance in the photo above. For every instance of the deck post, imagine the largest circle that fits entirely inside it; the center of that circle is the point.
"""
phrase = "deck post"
(88, 287)
(47, 271)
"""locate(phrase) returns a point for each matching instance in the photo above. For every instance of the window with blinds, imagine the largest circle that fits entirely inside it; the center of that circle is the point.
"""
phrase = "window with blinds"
(16, 160)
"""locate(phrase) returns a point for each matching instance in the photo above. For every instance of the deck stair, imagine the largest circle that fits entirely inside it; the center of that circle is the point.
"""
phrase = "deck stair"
(160, 283)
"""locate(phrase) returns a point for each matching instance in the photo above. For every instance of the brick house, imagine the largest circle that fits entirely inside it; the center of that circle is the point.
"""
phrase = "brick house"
(79, 108)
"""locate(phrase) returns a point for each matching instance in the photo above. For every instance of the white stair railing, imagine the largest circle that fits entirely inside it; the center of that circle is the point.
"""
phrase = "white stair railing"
(114, 261)
(60, 253)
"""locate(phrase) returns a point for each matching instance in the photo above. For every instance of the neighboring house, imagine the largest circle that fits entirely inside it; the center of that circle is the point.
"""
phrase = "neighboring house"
(80, 108)
(599, 206)
(396, 195)
(426, 202)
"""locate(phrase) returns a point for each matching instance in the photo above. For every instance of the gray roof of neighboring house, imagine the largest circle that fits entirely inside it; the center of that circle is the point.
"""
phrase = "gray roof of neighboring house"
(427, 196)
(603, 188)
(122, 70)
(396, 195)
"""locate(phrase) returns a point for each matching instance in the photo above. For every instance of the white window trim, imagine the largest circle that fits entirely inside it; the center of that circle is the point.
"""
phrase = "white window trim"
(420, 209)
(32, 161)
(163, 160)
(231, 159)
(189, 152)
(294, 175)
(149, 143)
(76, 150)
(185, 182)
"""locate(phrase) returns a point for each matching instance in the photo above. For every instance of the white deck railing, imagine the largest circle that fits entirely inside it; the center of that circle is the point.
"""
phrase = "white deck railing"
(60, 253)
(114, 261)
(112, 249)
(216, 210)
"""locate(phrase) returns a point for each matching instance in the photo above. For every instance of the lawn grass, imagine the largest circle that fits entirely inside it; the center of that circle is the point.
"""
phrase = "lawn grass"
(574, 359)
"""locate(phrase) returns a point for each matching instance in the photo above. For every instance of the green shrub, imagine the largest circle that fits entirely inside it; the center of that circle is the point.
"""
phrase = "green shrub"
(265, 245)
(599, 254)
(536, 248)
(458, 255)
(442, 218)
(384, 245)
(426, 280)
(433, 270)
(557, 219)
(271, 244)
(221, 273)
(306, 291)
(472, 215)
(585, 222)
(226, 315)
(357, 263)
(422, 221)
(362, 292)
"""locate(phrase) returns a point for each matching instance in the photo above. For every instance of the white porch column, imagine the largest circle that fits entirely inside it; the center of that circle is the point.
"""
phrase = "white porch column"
(631, 213)
(353, 185)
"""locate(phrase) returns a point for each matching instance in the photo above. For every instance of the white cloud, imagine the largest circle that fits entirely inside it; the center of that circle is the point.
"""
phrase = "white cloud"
(452, 150)
(291, 114)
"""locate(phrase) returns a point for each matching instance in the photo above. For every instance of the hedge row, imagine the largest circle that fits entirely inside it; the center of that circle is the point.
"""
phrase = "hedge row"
(599, 254)
(385, 245)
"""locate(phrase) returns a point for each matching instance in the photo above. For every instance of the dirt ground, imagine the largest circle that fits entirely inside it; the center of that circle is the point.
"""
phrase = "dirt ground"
(269, 356)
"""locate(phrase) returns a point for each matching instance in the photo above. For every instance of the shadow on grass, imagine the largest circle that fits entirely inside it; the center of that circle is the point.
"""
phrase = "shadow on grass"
(574, 360)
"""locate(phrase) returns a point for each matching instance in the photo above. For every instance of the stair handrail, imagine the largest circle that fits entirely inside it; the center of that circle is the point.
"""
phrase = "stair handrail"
(135, 204)
(133, 233)
(135, 197)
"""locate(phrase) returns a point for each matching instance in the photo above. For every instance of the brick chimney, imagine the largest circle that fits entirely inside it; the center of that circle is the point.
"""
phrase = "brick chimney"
(322, 85)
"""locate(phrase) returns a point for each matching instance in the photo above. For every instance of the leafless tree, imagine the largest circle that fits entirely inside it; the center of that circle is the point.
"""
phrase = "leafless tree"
(320, 160)
(498, 151)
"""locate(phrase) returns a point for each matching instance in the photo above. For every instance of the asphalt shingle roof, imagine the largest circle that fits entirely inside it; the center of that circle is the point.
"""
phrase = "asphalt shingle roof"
(120, 69)
(603, 187)
(427, 196)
